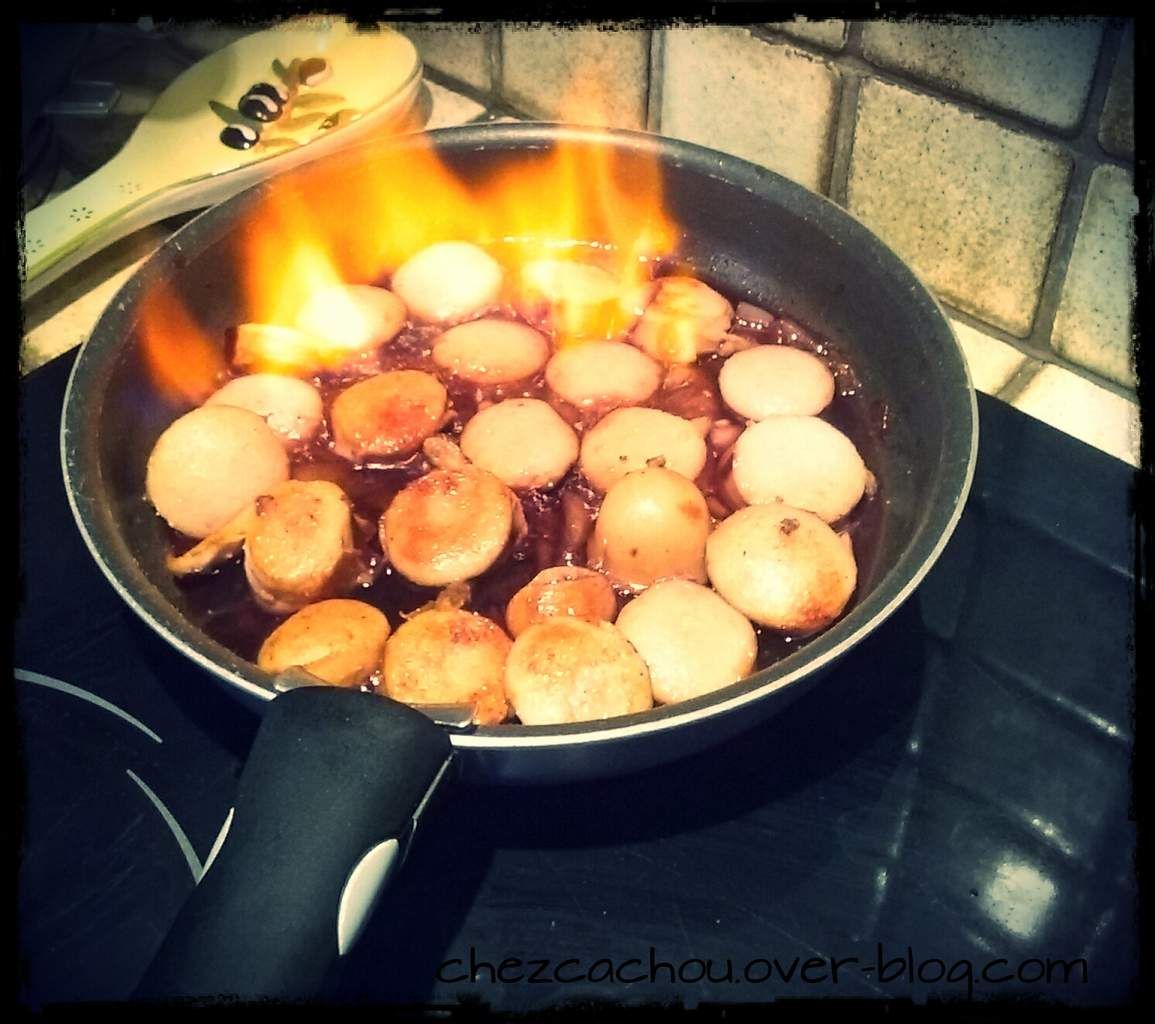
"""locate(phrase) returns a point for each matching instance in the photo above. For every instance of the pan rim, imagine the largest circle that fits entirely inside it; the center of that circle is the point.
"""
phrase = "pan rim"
(912, 566)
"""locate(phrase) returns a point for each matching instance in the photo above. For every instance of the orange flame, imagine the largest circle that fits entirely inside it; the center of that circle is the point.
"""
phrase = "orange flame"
(577, 201)
(185, 365)
(346, 231)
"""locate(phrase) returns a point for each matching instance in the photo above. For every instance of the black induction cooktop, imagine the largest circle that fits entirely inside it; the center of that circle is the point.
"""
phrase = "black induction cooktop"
(946, 817)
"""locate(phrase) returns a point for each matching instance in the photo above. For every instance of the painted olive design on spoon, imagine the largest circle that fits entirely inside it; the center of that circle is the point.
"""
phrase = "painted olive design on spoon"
(240, 136)
(261, 106)
(265, 102)
(314, 71)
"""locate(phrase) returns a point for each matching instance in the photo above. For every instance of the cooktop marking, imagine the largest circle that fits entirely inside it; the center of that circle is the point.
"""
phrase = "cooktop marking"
(75, 691)
(182, 840)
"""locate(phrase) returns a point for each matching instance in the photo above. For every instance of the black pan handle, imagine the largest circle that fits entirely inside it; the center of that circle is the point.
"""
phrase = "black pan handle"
(324, 810)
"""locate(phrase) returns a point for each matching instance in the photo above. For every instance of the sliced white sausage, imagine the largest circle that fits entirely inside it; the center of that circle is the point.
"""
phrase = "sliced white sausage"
(782, 567)
(491, 351)
(522, 441)
(210, 464)
(801, 461)
(564, 590)
(290, 406)
(387, 415)
(598, 373)
(567, 670)
(449, 525)
(652, 525)
(339, 641)
(692, 641)
(350, 319)
(632, 438)
(448, 281)
(776, 380)
(448, 656)
(299, 544)
(684, 319)
(577, 301)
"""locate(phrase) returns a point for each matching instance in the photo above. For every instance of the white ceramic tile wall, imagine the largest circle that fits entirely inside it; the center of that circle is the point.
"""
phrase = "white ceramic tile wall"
(457, 49)
(829, 34)
(1094, 323)
(992, 362)
(1001, 62)
(764, 101)
(603, 73)
(971, 205)
(1076, 406)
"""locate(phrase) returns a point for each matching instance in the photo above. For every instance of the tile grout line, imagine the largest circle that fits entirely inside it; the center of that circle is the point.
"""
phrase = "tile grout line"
(447, 81)
(848, 59)
(1020, 380)
(495, 57)
(845, 118)
(850, 62)
(1071, 210)
(655, 82)
(842, 143)
(1030, 352)
(647, 78)
(1058, 261)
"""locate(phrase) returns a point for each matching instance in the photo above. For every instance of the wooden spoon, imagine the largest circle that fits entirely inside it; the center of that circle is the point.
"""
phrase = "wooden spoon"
(332, 85)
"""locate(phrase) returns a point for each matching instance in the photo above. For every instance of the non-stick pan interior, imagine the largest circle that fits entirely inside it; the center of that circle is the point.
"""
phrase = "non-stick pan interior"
(754, 234)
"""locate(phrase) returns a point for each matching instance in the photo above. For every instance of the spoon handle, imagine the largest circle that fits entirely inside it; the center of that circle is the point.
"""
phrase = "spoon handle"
(92, 214)
(130, 192)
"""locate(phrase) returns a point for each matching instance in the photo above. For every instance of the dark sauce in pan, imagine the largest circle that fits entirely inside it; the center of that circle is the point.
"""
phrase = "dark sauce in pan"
(559, 520)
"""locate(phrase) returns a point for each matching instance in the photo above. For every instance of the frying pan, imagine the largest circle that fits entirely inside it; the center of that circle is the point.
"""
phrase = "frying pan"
(337, 779)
